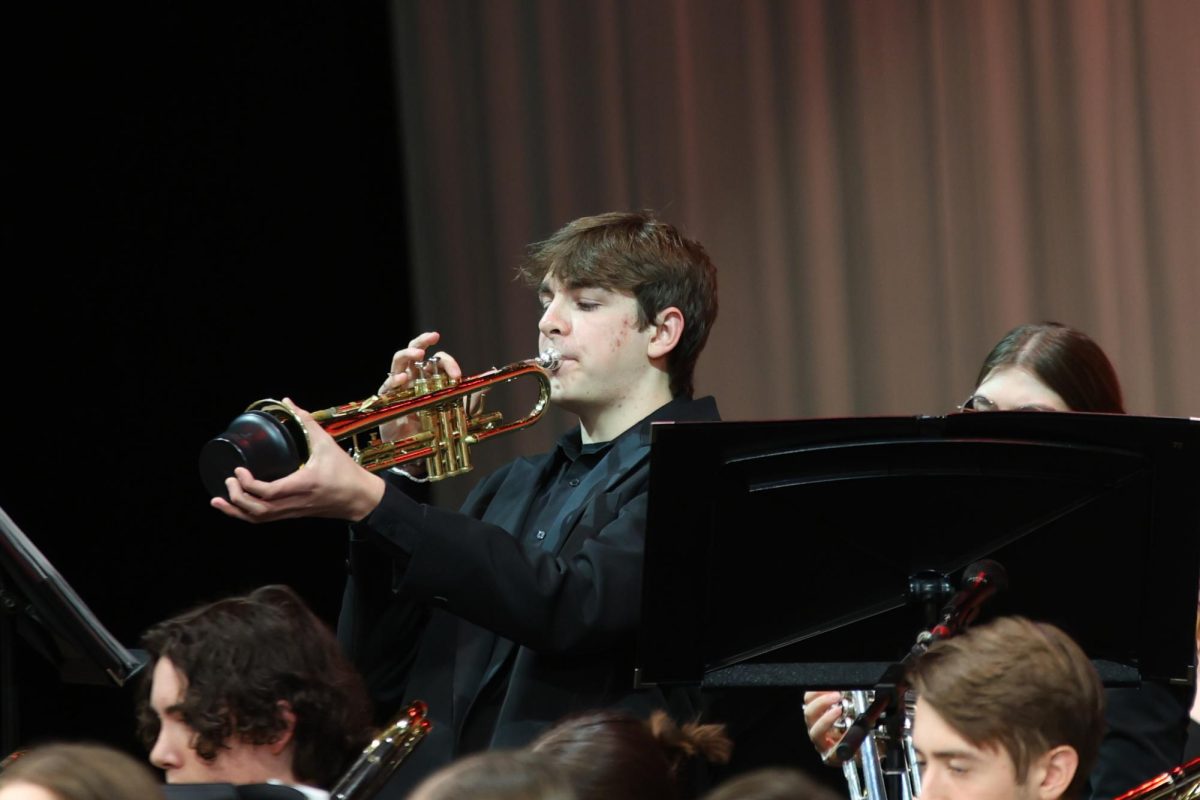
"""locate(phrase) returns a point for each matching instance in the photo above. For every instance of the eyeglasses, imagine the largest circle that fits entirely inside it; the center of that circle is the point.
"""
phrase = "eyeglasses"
(979, 402)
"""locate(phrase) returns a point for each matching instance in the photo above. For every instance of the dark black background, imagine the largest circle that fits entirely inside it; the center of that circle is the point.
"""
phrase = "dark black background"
(204, 208)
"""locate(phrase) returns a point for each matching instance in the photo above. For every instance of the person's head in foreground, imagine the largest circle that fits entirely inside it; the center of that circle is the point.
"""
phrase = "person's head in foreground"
(1008, 710)
(772, 783)
(496, 775)
(613, 753)
(1046, 367)
(78, 771)
(251, 689)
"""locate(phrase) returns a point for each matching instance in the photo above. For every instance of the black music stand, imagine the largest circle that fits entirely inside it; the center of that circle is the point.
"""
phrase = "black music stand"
(38, 603)
(784, 554)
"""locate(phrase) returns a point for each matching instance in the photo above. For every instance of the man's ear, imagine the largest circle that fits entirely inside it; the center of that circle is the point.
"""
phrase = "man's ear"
(1053, 772)
(668, 327)
(285, 736)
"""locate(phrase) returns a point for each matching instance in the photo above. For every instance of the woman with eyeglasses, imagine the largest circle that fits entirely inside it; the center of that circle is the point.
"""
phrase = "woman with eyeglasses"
(1046, 367)
(1052, 367)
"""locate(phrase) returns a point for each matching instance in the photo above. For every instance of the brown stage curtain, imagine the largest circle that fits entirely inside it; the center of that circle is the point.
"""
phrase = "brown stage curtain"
(886, 187)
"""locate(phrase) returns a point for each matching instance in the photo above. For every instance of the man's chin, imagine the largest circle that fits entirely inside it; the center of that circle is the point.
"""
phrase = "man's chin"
(568, 402)
(561, 400)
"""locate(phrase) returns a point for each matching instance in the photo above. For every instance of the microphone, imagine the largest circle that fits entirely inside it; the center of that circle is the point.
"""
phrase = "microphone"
(981, 580)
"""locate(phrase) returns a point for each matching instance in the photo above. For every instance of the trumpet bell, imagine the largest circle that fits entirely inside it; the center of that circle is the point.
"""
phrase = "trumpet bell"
(271, 444)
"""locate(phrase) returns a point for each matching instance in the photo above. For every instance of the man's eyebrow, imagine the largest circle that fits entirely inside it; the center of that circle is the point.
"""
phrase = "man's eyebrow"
(545, 290)
(948, 754)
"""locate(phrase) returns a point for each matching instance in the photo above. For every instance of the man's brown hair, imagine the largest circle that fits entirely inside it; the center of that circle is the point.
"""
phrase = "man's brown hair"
(635, 252)
(1020, 685)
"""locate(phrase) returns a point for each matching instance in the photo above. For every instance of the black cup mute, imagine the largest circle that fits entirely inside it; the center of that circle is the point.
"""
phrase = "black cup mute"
(269, 445)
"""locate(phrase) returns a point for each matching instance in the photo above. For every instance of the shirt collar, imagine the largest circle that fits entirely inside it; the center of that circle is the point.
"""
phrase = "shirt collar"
(570, 444)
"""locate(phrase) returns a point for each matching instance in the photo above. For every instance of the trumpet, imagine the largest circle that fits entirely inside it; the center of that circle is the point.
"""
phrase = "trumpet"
(1179, 783)
(270, 440)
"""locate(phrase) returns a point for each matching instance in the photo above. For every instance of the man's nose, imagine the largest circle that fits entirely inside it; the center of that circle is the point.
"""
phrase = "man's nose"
(553, 321)
(931, 787)
(162, 755)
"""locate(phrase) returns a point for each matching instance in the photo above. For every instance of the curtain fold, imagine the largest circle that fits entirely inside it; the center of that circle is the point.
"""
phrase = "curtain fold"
(886, 188)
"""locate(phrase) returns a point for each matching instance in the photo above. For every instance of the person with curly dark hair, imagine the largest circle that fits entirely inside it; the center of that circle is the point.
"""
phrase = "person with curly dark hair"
(252, 689)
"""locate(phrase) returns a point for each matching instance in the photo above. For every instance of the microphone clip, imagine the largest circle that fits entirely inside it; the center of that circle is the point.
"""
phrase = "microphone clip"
(981, 580)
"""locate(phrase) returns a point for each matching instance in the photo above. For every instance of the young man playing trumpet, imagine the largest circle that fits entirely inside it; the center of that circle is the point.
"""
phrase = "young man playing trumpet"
(522, 607)
(1008, 710)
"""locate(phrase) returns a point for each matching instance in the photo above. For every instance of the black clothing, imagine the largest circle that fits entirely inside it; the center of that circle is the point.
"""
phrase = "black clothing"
(500, 630)
(1147, 729)
(1192, 750)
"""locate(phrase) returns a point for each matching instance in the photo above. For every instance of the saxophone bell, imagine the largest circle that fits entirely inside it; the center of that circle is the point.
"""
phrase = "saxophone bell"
(866, 772)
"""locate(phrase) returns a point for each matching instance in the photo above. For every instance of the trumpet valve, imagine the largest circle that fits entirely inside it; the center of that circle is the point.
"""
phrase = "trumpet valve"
(429, 377)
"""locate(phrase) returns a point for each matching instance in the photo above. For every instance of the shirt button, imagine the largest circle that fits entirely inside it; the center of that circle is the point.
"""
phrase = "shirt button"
(541, 534)
(573, 482)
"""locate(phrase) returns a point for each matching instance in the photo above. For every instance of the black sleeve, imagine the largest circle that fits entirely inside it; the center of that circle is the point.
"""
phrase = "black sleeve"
(585, 602)
(378, 629)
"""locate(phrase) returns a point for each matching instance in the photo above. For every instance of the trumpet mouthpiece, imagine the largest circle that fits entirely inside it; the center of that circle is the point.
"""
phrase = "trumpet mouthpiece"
(549, 359)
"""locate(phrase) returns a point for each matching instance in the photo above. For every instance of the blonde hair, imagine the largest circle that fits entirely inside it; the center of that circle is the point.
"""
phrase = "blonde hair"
(772, 783)
(496, 775)
(83, 771)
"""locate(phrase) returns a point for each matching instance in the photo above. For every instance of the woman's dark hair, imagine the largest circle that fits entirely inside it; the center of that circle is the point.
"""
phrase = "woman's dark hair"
(1064, 359)
(244, 656)
(83, 771)
(613, 753)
